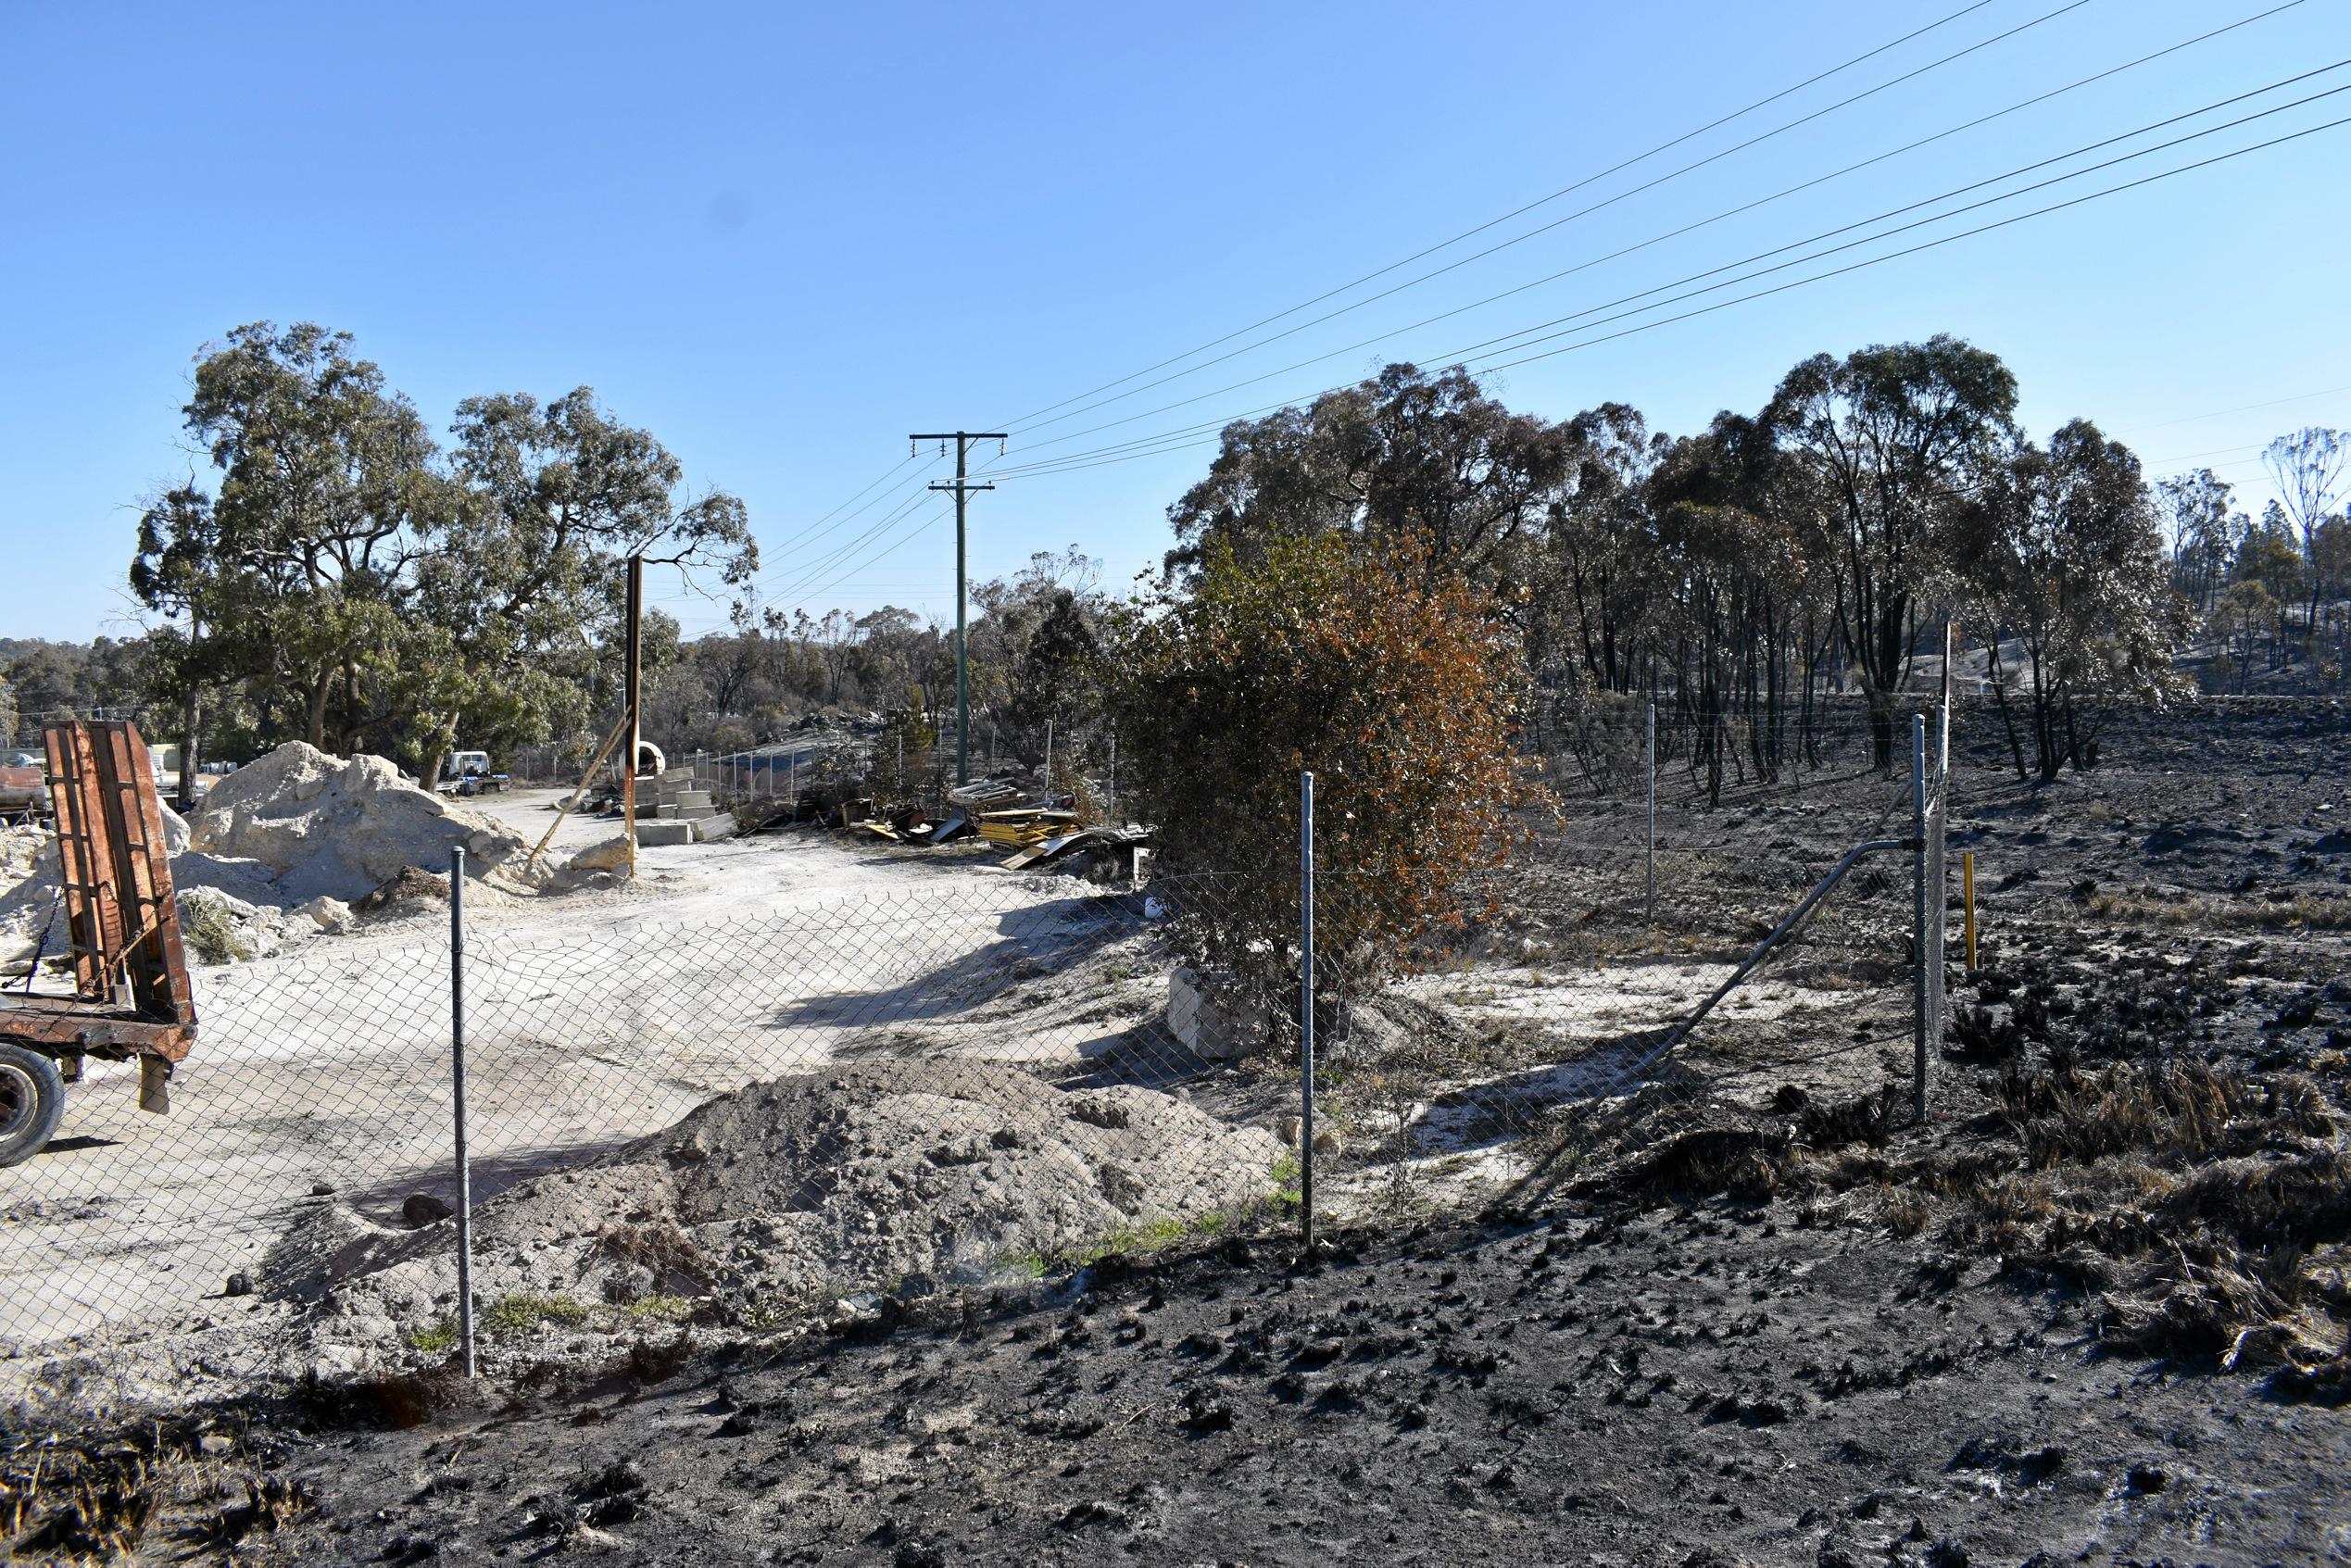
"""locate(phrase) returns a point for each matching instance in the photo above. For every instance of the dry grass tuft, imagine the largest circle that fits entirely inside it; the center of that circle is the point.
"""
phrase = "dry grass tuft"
(2299, 911)
(2180, 1111)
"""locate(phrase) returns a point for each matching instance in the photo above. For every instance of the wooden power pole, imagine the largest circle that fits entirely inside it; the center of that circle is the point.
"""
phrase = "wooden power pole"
(630, 679)
(962, 487)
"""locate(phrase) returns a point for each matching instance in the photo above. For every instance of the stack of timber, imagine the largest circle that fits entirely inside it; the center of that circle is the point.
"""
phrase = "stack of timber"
(982, 794)
(1025, 825)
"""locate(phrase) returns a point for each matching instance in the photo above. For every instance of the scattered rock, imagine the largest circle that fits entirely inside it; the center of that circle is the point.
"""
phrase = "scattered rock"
(610, 855)
(422, 1209)
(332, 916)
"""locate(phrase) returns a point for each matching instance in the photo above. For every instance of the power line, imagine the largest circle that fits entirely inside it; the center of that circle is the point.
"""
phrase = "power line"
(1858, 266)
(2241, 408)
(910, 457)
(1826, 233)
(1945, 239)
(1930, 245)
(909, 483)
(1971, 207)
(1674, 233)
(1527, 334)
(832, 558)
(1521, 212)
(927, 519)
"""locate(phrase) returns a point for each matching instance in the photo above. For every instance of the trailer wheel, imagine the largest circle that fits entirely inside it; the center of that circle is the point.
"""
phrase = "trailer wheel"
(32, 1101)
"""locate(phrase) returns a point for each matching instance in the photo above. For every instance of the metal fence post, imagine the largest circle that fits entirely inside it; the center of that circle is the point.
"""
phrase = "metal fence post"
(1306, 1003)
(456, 1080)
(1652, 814)
(1918, 910)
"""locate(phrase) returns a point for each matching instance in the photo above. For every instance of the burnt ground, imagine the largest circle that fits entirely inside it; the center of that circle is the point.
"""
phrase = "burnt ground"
(2094, 1310)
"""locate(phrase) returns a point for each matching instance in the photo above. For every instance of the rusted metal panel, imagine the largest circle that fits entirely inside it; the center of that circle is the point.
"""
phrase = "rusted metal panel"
(122, 912)
(63, 1024)
(152, 956)
(85, 859)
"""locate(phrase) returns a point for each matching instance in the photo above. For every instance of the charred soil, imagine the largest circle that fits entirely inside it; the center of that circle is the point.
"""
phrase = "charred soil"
(2093, 1310)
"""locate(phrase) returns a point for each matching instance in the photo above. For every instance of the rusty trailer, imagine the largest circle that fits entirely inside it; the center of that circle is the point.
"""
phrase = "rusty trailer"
(130, 998)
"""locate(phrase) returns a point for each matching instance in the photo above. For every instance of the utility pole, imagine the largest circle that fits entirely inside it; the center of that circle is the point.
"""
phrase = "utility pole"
(631, 675)
(963, 487)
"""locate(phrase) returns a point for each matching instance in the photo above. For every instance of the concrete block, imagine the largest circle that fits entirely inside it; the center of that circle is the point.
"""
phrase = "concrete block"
(1198, 1019)
(720, 825)
(663, 830)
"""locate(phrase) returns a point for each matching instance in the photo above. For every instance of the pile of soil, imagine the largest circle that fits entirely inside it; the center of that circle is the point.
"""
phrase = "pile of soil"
(28, 888)
(229, 908)
(803, 1189)
(281, 850)
(325, 826)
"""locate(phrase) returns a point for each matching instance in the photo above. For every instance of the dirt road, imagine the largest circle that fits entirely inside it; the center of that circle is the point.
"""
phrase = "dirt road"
(596, 1016)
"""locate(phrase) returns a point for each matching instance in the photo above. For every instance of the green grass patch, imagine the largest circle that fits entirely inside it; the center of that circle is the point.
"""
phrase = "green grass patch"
(661, 1308)
(1288, 1177)
(434, 1339)
(511, 1315)
(1132, 1241)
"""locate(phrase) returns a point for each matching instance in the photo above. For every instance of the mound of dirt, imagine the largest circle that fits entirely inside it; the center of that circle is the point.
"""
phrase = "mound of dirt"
(800, 1189)
(28, 888)
(325, 825)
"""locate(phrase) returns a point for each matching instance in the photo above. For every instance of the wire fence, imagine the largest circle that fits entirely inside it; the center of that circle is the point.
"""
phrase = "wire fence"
(743, 1119)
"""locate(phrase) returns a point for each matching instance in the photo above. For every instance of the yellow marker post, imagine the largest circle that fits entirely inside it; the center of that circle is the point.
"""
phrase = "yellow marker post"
(1967, 885)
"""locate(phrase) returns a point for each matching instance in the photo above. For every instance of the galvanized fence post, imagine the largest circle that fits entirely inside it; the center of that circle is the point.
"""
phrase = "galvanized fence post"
(456, 1080)
(1652, 769)
(1918, 910)
(1306, 1003)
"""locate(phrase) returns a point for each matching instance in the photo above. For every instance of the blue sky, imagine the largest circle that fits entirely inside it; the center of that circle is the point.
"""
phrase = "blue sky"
(782, 237)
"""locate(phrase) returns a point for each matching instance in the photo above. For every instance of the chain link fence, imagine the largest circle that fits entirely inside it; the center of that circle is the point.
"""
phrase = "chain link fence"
(744, 1118)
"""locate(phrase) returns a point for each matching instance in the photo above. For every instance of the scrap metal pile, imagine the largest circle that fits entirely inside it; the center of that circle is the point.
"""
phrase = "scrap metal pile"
(1004, 811)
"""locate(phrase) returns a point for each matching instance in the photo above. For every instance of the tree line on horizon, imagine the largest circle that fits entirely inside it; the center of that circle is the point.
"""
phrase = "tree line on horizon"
(347, 578)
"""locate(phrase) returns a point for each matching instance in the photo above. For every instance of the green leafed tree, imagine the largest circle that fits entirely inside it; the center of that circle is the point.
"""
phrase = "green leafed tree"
(347, 582)
(1429, 465)
(289, 574)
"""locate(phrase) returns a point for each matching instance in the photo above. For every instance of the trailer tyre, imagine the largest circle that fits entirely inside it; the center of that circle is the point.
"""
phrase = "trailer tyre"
(32, 1102)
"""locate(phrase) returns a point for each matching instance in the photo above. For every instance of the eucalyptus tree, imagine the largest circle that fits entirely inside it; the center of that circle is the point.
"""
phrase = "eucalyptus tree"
(1893, 436)
(2060, 548)
(2309, 468)
(2203, 528)
(296, 564)
(1404, 461)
